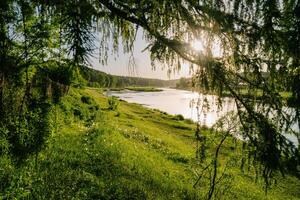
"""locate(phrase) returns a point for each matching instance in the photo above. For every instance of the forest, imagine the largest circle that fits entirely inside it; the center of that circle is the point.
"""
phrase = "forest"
(95, 78)
(62, 138)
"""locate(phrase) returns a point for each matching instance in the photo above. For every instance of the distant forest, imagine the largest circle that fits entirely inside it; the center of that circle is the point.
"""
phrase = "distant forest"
(95, 78)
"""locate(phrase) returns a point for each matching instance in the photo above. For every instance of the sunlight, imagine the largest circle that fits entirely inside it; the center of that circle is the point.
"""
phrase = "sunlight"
(199, 46)
(217, 49)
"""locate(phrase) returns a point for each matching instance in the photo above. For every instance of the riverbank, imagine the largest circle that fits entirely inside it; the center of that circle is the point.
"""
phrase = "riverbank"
(243, 92)
(286, 96)
(136, 89)
(128, 153)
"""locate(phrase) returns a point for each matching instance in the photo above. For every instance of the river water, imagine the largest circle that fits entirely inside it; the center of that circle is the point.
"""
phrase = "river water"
(185, 103)
(175, 102)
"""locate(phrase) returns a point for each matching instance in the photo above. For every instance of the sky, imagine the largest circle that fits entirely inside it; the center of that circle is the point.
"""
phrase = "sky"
(118, 65)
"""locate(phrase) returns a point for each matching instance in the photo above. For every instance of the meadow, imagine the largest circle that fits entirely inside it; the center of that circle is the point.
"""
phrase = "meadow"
(128, 152)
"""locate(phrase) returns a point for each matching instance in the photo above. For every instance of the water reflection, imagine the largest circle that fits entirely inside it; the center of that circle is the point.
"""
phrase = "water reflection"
(186, 103)
(179, 102)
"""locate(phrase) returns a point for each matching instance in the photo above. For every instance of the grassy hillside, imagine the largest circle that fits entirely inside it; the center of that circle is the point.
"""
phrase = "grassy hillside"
(128, 153)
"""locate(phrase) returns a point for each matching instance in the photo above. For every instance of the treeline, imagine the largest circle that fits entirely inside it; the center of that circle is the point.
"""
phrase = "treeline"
(95, 78)
(184, 83)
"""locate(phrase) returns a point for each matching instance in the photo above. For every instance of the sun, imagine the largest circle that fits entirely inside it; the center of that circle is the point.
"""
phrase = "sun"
(197, 45)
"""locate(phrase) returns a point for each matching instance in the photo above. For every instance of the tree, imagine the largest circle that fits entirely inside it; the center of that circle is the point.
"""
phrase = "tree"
(255, 36)
(183, 83)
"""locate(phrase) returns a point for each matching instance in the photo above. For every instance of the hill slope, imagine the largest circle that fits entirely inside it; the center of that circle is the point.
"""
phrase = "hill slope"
(128, 153)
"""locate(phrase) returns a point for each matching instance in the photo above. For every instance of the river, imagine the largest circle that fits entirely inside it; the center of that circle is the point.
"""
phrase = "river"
(174, 101)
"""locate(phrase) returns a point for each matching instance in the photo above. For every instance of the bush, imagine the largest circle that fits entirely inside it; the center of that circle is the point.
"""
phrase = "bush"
(178, 117)
(86, 100)
(4, 146)
(113, 103)
(78, 113)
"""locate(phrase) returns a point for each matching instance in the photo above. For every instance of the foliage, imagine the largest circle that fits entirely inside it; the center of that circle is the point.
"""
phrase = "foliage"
(112, 103)
(254, 37)
(144, 89)
(100, 79)
(184, 83)
(179, 117)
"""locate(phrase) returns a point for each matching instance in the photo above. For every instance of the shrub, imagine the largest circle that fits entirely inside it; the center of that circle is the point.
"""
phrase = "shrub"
(178, 117)
(78, 113)
(86, 100)
(113, 103)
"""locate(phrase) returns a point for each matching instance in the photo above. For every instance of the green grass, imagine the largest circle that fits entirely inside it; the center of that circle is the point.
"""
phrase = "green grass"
(135, 88)
(243, 92)
(144, 89)
(114, 89)
(128, 153)
(258, 94)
